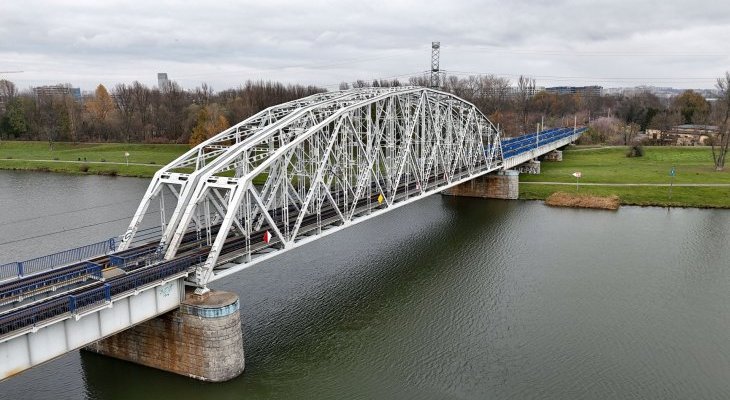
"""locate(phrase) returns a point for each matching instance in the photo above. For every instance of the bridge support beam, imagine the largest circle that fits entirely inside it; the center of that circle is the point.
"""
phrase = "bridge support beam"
(501, 185)
(202, 339)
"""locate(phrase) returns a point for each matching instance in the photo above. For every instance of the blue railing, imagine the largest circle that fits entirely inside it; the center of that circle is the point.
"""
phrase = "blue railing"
(51, 261)
(517, 145)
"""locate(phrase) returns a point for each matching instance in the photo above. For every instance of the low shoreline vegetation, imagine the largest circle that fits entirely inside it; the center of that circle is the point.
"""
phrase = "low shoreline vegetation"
(581, 200)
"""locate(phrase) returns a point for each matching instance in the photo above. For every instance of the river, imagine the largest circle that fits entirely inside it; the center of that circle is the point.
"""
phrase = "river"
(447, 298)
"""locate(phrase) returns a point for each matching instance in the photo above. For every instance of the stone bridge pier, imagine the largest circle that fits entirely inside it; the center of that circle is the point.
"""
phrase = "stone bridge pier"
(500, 185)
(202, 339)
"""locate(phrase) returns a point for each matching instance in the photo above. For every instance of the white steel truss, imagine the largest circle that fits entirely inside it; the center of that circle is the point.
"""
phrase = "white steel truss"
(304, 169)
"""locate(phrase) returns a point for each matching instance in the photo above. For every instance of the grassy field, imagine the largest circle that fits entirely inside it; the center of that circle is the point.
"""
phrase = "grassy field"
(693, 165)
(88, 158)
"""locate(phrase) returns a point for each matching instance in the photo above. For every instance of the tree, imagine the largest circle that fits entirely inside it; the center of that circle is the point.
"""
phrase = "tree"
(629, 132)
(101, 109)
(210, 121)
(640, 108)
(13, 124)
(8, 90)
(692, 106)
(126, 106)
(525, 89)
(722, 117)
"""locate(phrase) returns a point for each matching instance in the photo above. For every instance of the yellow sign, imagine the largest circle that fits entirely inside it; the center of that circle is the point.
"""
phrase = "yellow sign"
(380, 198)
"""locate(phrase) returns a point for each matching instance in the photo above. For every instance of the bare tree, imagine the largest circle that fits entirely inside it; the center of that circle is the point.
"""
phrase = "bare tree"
(124, 99)
(629, 131)
(525, 89)
(8, 90)
(720, 145)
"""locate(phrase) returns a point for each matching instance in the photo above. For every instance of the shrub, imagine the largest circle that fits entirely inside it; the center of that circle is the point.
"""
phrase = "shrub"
(636, 151)
(84, 168)
(103, 160)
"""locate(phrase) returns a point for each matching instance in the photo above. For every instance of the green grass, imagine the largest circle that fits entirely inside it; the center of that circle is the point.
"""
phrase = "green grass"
(99, 157)
(610, 165)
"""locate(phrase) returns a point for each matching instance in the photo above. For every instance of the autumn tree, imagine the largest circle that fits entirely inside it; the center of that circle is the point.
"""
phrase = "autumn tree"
(101, 109)
(210, 121)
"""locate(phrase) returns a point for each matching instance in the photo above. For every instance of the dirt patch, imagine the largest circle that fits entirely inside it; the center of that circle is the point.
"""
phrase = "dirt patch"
(562, 199)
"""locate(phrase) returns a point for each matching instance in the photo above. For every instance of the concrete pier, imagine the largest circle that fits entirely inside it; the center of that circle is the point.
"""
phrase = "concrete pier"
(555, 155)
(202, 339)
(531, 167)
(502, 185)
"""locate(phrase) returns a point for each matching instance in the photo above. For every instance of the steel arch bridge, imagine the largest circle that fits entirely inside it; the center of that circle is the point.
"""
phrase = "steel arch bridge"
(301, 170)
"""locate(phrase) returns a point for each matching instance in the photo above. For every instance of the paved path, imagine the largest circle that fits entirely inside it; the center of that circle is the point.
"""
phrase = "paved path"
(631, 184)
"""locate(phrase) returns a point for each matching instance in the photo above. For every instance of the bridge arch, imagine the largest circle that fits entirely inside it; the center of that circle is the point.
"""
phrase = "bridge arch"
(305, 169)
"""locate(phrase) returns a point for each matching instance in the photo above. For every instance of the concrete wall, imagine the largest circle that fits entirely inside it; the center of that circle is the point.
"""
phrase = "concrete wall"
(202, 339)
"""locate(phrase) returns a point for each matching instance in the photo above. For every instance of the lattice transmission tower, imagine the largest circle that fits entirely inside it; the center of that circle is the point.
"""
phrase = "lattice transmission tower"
(435, 73)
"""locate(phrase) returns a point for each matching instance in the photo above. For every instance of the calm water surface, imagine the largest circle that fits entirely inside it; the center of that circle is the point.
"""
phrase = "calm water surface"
(447, 298)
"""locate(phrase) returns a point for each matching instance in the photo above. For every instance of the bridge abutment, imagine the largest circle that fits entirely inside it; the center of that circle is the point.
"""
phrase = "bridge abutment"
(202, 339)
(502, 185)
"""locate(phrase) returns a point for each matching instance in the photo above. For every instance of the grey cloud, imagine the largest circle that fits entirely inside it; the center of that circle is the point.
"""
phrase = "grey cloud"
(226, 42)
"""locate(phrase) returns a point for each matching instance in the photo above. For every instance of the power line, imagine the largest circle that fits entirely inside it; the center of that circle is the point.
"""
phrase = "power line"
(64, 212)
(70, 229)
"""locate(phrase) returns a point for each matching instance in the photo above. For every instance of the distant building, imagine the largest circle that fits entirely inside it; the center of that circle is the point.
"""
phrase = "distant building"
(58, 90)
(531, 90)
(510, 91)
(162, 81)
(583, 90)
(684, 135)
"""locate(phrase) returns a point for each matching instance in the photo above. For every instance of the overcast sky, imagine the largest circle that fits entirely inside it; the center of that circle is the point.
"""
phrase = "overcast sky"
(610, 43)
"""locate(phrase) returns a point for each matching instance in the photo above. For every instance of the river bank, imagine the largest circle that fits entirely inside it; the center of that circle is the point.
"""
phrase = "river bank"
(606, 171)
(89, 158)
(641, 181)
